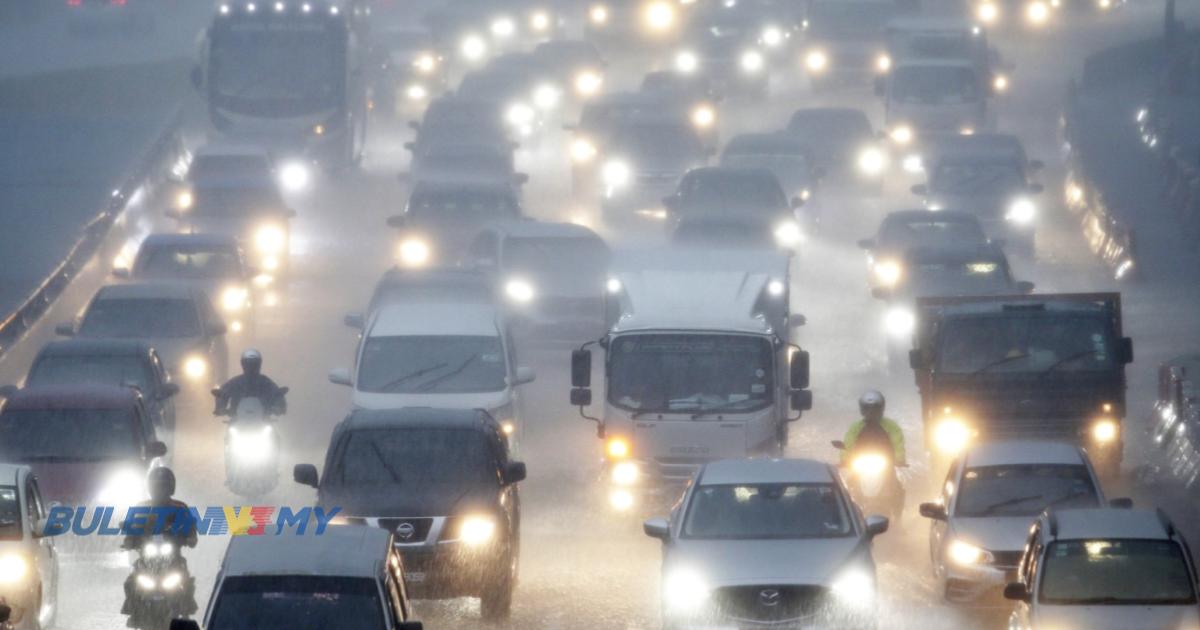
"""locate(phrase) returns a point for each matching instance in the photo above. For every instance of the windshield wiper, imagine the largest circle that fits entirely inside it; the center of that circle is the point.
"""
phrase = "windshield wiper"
(987, 511)
(721, 407)
(431, 383)
(1073, 357)
(393, 384)
(1074, 494)
(383, 460)
(1000, 362)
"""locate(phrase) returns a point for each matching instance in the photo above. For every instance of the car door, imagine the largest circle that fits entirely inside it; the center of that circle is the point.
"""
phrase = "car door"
(166, 404)
(1022, 615)
(43, 550)
(938, 529)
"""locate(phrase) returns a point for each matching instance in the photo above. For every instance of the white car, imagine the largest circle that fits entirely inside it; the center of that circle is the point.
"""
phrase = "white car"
(1104, 569)
(981, 518)
(440, 355)
(758, 542)
(28, 560)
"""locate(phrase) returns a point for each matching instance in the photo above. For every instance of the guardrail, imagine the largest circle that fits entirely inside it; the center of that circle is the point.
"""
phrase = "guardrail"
(153, 167)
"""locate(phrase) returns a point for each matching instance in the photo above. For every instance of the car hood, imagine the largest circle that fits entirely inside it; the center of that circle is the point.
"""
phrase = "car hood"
(409, 499)
(553, 284)
(77, 483)
(936, 116)
(1117, 617)
(483, 400)
(748, 562)
(173, 350)
(1001, 533)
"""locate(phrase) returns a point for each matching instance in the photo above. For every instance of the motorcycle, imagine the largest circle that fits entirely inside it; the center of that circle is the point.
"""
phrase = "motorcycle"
(160, 588)
(252, 447)
(873, 482)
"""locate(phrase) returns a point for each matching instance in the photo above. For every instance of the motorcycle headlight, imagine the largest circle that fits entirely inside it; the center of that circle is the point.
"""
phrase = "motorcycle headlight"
(477, 530)
(913, 164)
(871, 161)
(123, 488)
(473, 47)
(173, 581)
(13, 568)
(294, 176)
(582, 151)
(234, 298)
(503, 27)
(425, 63)
(788, 234)
(414, 252)
(704, 116)
(987, 12)
(598, 14)
(518, 290)
(625, 473)
(883, 63)
(854, 587)
(965, 554)
(888, 272)
(546, 96)
(751, 62)
(270, 239)
(816, 61)
(1021, 212)
(684, 591)
(1105, 430)
(146, 582)
(686, 61)
(195, 367)
(588, 83)
(951, 436)
(869, 464)
(659, 15)
(250, 445)
(772, 36)
(902, 134)
(616, 174)
(519, 114)
(900, 322)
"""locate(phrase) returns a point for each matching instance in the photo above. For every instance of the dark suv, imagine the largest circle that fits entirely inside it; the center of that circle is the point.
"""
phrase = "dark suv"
(442, 482)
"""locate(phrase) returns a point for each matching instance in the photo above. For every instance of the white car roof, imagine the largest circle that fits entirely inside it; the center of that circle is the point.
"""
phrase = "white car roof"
(10, 473)
(340, 551)
(1083, 524)
(429, 318)
(1022, 452)
(751, 471)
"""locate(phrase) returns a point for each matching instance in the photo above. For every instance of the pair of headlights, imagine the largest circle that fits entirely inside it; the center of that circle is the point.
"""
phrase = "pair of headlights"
(170, 582)
(686, 591)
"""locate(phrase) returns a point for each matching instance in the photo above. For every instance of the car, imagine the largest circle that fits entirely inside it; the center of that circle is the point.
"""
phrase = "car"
(722, 43)
(992, 494)
(212, 262)
(443, 483)
(1015, 14)
(447, 113)
(345, 576)
(643, 162)
(843, 146)
(29, 559)
(408, 70)
(399, 285)
(550, 276)
(925, 101)
(179, 321)
(511, 91)
(905, 229)
(785, 155)
(696, 88)
(724, 205)
(120, 362)
(1104, 569)
(844, 39)
(437, 354)
(87, 444)
(440, 219)
(934, 38)
(767, 542)
(470, 162)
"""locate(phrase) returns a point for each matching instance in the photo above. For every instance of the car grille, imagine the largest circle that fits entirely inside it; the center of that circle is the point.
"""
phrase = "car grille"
(769, 603)
(408, 530)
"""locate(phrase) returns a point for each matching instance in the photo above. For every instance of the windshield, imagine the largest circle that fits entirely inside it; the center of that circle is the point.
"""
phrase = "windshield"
(10, 514)
(766, 511)
(678, 143)
(736, 193)
(1033, 343)
(1116, 572)
(413, 456)
(278, 68)
(90, 368)
(468, 163)
(943, 46)
(462, 205)
(982, 177)
(224, 167)
(566, 256)
(28, 435)
(187, 263)
(930, 232)
(135, 318)
(957, 277)
(1023, 490)
(270, 602)
(434, 364)
(690, 373)
(934, 84)
(235, 201)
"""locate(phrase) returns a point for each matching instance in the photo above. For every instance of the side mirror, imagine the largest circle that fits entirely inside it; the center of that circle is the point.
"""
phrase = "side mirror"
(1025, 287)
(797, 320)
(1017, 592)
(866, 243)
(920, 190)
(524, 375)
(156, 449)
(520, 179)
(1125, 350)
(1036, 165)
(173, 213)
(340, 376)
(216, 329)
(935, 511)
(168, 390)
(216, 391)
(657, 528)
(354, 320)
(39, 531)
(305, 474)
(197, 77)
(515, 472)
(6, 612)
(916, 359)
(800, 399)
(581, 368)
(1036, 189)
(65, 330)
(121, 272)
(1121, 503)
(397, 221)
(581, 397)
(876, 525)
(798, 370)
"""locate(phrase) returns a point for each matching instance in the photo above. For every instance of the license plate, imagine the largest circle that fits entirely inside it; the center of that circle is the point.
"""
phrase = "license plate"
(414, 576)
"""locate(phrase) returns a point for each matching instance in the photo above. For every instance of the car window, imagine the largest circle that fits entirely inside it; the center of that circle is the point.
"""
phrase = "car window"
(1115, 572)
(432, 364)
(451, 458)
(102, 369)
(10, 514)
(188, 262)
(766, 511)
(30, 435)
(140, 318)
(268, 602)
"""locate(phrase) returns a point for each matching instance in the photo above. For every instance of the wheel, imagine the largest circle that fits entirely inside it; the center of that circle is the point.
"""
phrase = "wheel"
(495, 603)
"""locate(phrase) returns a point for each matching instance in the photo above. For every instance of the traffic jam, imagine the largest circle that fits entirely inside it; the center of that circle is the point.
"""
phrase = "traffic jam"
(623, 314)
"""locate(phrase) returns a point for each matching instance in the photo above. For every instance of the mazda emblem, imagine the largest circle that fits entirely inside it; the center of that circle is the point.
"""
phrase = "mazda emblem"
(768, 597)
(405, 531)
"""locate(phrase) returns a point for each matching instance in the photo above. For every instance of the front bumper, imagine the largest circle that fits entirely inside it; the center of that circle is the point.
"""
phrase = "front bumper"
(977, 585)
(446, 570)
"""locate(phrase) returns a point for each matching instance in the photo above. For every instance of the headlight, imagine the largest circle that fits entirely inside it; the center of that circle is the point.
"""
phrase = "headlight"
(250, 446)
(966, 554)
(1021, 212)
(519, 115)
(503, 27)
(883, 63)
(620, 499)
(987, 12)
(788, 234)
(816, 61)
(751, 61)
(546, 96)
(146, 582)
(582, 150)
(613, 285)
(888, 272)
(684, 591)
(270, 239)
(659, 15)
(951, 436)
(588, 83)
(294, 176)
(416, 92)
(414, 252)
(124, 488)
(686, 61)
(477, 530)
(13, 568)
(173, 580)
(155, 550)
(704, 116)
(520, 291)
(966, 130)
(617, 448)
(871, 161)
(598, 14)
(869, 464)
(1105, 430)
(1037, 12)
(902, 134)
(425, 63)
(539, 21)
(900, 322)
(616, 174)
(854, 587)
(772, 36)
(625, 473)
(1000, 83)
(913, 164)
(195, 367)
(776, 288)
(473, 47)
(234, 298)
(184, 200)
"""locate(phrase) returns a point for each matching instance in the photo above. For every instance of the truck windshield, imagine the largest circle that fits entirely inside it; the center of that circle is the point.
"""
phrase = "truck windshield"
(271, 602)
(432, 364)
(934, 84)
(1037, 343)
(277, 69)
(1116, 572)
(30, 435)
(689, 373)
(766, 511)
(412, 456)
(1023, 490)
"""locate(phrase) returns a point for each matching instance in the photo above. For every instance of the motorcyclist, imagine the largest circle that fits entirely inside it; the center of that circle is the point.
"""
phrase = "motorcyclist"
(160, 482)
(251, 383)
(874, 430)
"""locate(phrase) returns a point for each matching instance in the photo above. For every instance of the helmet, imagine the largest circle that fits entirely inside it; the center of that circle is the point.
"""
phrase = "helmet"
(871, 402)
(251, 362)
(161, 483)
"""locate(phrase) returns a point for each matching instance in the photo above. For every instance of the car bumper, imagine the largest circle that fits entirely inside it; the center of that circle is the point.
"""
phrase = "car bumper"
(983, 585)
(448, 570)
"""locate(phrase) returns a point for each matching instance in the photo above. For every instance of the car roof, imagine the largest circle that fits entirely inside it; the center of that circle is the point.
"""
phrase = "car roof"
(340, 551)
(146, 290)
(194, 238)
(1022, 452)
(1090, 523)
(542, 229)
(85, 346)
(761, 175)
(735, 471)
(434, 318)
(80, 396)
(11, 471)
(418, 417)
(979, 145)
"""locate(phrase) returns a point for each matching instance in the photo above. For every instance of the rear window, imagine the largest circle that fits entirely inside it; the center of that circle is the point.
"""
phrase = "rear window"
(268, 602)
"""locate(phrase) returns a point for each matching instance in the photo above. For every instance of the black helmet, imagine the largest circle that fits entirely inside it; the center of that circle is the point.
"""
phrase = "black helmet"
(161, 483)
(251, 362)
(871, 403)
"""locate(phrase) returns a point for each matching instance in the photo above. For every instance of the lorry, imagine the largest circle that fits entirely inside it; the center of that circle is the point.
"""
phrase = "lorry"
(1042, 366)
(698, 366)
